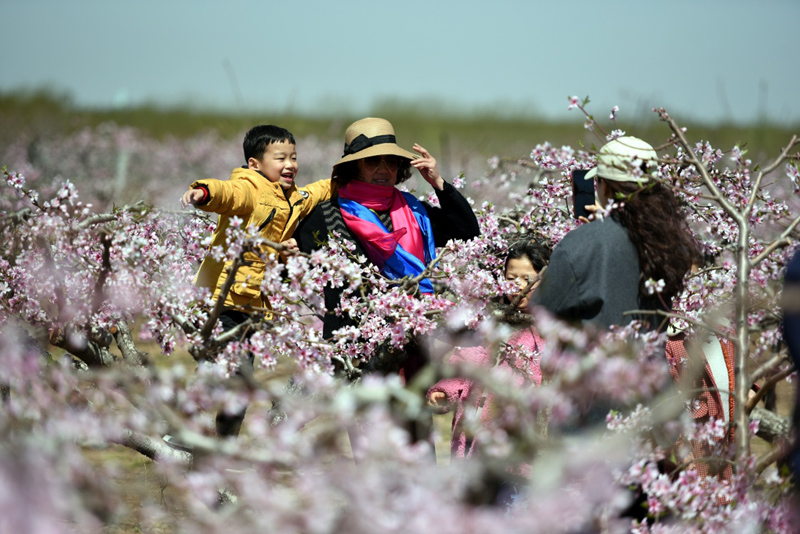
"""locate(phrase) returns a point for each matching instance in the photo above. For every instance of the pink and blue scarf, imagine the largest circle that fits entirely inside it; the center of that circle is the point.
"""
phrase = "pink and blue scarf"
(405, 251)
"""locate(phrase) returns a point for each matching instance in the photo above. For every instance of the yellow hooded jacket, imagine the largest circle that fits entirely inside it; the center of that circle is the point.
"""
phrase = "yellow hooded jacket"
(251, 197)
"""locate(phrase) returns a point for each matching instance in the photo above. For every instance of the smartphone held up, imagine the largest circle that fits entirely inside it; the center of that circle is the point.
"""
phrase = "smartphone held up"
(582, 193)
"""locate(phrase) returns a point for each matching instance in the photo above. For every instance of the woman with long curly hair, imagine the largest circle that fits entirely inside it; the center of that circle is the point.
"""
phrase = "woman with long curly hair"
(634, 259)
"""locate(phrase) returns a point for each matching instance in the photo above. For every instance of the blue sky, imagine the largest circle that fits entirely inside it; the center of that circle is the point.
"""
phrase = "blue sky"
(707, 60)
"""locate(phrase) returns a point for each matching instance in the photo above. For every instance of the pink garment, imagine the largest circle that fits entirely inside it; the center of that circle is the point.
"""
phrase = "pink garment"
(461, 394)
(378, 244)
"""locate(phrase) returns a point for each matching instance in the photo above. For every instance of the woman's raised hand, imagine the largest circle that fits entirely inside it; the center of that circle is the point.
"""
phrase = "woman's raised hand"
(426, 165)
(591, 208)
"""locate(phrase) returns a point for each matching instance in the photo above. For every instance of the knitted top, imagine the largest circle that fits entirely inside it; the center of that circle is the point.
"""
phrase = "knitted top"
(462, 394)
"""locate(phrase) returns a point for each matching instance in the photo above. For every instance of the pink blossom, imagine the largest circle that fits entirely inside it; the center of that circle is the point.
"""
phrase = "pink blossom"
(574, 102)
(615, 134)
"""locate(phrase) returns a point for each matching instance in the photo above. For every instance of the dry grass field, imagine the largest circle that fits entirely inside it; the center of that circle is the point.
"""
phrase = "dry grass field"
(455, 136)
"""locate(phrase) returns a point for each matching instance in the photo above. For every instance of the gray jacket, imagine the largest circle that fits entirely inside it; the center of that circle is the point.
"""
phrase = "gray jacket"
(593, 277)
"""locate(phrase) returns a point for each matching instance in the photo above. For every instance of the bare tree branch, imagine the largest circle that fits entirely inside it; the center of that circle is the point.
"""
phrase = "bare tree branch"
(108, 217)
(153, 448)
(77, 344)
(99, 285)
(774, 379)
(124, 338)
(528, 287)
(237, 331)
(409, 283)
(698, 324)
(782, 241)
(781, 451)
(184, 323)
(768, 366)
(742, 296)
(701, 169)
(766, 170)
(208, 327)
(19, 216)
(771, 425)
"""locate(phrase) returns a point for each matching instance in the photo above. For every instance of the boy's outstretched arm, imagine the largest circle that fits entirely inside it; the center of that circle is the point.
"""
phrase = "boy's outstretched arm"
(318, 191)
(236, 196)
(193, 197)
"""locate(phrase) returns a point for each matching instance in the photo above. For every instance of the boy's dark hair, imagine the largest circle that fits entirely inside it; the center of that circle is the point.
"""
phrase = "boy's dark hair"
(536, 251)
(260, 137)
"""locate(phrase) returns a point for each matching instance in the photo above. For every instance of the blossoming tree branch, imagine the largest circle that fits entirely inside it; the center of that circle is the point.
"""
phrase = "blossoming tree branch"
(88, 288)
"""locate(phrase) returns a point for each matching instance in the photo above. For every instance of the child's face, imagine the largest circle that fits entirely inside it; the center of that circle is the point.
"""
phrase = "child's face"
(278, 163)
(521, 271)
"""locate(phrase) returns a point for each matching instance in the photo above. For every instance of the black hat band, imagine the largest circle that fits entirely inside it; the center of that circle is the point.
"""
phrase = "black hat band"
(362, 141)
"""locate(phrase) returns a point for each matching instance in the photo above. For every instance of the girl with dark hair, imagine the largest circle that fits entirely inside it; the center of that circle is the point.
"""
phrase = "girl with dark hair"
(610, 266)
(524, 263)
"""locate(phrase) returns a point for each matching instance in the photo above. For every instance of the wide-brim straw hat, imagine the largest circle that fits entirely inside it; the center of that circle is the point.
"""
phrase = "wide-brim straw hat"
(617, 160)
(371, 137)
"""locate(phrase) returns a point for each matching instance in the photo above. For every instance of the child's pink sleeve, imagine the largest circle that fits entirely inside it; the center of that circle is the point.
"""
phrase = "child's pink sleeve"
(530, 340)
(454, 389)
(457, 389)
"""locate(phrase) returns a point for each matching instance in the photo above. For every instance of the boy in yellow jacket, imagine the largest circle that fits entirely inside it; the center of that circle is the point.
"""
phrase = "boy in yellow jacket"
(263, 194)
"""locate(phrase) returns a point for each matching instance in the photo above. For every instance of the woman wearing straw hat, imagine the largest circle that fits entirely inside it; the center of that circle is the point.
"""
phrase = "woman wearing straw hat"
(393, 229)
